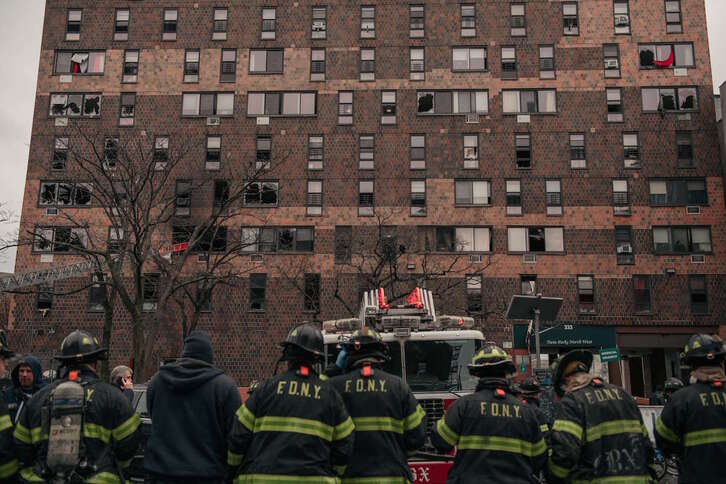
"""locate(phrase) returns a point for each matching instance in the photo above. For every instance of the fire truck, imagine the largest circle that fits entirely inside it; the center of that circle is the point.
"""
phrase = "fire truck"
(431, 354)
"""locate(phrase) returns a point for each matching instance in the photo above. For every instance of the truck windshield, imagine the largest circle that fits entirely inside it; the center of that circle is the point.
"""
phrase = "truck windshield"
(440, 365)
(392, 366)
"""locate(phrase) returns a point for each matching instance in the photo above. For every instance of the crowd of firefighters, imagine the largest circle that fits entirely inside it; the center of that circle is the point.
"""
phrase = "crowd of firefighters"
(354, 423)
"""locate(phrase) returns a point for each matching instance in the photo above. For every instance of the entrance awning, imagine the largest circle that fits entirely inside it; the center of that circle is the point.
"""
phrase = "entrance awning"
(567, 336)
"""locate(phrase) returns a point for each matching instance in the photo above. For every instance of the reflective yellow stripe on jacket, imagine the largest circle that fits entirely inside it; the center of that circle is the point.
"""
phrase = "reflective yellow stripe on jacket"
(5, 423)
(704, 437)
(234, 459)
(104, 478)
(451, 437)
(414, 420)
(8, 469)
(556, 470)
(127, 428)
(29, 475)
(502, 444)
(568, 426)
(246, 418)
(662, 430)
(22, 434)
(615, 427)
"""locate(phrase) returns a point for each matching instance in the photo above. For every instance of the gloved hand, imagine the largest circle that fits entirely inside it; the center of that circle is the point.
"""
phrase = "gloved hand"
(342, 358)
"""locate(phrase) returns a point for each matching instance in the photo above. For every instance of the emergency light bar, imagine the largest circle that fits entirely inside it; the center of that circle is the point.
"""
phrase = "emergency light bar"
(341, 325)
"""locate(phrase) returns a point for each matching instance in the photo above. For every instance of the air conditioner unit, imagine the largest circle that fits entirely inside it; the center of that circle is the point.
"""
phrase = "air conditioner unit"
(695, 210)
(625, 249)
(51, 211)
(622, 21)
(204, 257)
(472, 118)
(530, 258)
(213, 121)
(256, 258)
(611, 64)
(698, 259)
(475, 258)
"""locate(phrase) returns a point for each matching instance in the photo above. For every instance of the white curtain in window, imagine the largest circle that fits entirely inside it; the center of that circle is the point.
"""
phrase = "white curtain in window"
(510, 100)
(517, 239)
(547, 101)
(554, 239)
(658, 188)
(482, 239)
(480, 192)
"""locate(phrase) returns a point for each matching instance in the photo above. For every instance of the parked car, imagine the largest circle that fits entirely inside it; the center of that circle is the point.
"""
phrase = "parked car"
(135, 471)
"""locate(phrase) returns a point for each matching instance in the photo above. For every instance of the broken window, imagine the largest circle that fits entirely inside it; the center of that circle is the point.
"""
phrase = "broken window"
(128, 109)
(257, 292)
(474, 294)
(131, 66)
(60, 153)
(44, 301)
(161, 152)
(121, 24)
(261, 194)
(669, 99)
(110, 152)
(79, 62)
(319, 24)
(453, 102)
(663, 56)
(312, 293)
(183, 198)
(64, 194)
(75, 105)
(221, 194)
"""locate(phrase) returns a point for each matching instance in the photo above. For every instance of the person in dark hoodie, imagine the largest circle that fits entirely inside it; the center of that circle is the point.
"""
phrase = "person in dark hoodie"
(27, 377)
(192, 406)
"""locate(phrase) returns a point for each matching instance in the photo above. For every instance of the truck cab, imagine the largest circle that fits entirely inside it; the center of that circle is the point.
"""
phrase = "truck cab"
(429, 352)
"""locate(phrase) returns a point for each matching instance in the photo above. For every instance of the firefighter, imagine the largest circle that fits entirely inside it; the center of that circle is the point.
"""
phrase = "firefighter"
(598, 433)
(530, 390)
(692, 425)
(671, 386)
(100, 429)
(389, 422)
(5, 354)
(294, 426)
(497, 438)
(8, 462)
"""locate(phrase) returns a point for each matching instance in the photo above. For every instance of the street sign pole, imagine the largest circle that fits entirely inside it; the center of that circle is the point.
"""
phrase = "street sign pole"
(536, 339)
(534, 308)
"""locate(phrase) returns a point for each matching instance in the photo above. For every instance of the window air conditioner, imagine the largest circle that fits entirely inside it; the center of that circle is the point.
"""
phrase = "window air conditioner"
(530, 258)
(698, 259)
(694, 210)
(625, 249)
(213, 121)
(472, 118)
(255, 257)
(51, 211)
(475, 258)
(622, 21)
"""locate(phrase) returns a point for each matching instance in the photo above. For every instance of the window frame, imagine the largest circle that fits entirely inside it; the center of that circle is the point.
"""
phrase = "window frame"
(536, 101)
(619, 115)
(260, 298)
(169, 36)
(417, 209)
(471, 93)
(315, 74)
(507, 73)
(698, 310)
(626, 237)
(474, 294)
(219, 33)
(677, 99)
(635, 163)
(73, 34)
(416, 33)
(611, 73)
(261, 185)
(346, 118)
(189, 76)
(314, 207)
(514, 31)
(280, 104)
(324, 20)
(639, 308)
(371, 149)
(215, 104)
(544, 73)
(517, 157)
(644, 45)
(680, 17)
(467, 32)
(366, 208)
(262, 162)
(625, 30)
(416, 162)
(314, 160)
(267, 33)
(367, 33)
(267, 70)
(74, 52)
(82, 114)
(367, 67)
(311, 295)
(690, 249)
(583, 306)
(672, 189)
(684, 162)
(72, 194)
(565, 17)
(225, 77)
(470, 162)
(417, 74)
(468, 49)
(59, 146)
(134, 65)
(447, 233)
(528, 236)
(487, 186)
(121, 35)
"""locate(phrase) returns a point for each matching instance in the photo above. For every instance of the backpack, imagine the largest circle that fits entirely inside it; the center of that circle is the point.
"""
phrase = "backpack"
(63, 420)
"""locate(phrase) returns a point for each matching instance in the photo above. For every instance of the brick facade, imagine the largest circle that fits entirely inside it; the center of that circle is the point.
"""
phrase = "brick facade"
(243, 339)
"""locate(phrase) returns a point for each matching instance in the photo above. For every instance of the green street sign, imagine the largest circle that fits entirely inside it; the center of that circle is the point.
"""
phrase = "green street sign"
(609, 354)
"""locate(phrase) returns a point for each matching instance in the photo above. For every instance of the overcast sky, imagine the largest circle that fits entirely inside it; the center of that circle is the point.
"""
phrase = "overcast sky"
(21, 23)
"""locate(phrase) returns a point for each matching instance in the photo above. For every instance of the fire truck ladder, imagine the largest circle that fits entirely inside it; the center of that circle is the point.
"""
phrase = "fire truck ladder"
(45, 276)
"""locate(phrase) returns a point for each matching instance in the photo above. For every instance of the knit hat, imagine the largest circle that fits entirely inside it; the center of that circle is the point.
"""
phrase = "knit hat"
(198, 346)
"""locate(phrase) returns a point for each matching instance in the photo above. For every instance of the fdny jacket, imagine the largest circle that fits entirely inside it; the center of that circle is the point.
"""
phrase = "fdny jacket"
(497, 438)
(388, 422)
(110, 430)
(293, 428)
(544, 423)
(8, 462)
(598, 436)
(693, 426)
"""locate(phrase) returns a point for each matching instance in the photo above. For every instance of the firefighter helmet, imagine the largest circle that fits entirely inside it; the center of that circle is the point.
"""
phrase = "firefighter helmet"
(303, 341)
(366, 341)
(81, 347)
(572, 362)
(672, 384)
(5, 352)
(491, 360)
(703, 349)
(529, 387)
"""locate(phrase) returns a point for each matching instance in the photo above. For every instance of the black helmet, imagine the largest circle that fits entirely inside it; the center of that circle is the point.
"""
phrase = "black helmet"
(529, 387)
(491, 360)
(572, 362)
(81, 347)
(672, 384)
(304, 341)
(5, 352)
(703, 349)
(366, 342)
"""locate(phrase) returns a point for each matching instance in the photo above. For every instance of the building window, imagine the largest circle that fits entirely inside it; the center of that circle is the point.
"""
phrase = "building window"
(624, 245)
(416, 21)
(473, 294)
(257, 291)
(509, 62)
(150, 291)
(468, 21)
(631, 150)
(343, 244)
(266, 61)
(130, 71)
(60, 153)
(514, 197)
(388, 107)
(228, 70)
(261, 194)
(546, 62)
(73, 24)
(641, 294)
(368, 64)
(191, 66)
(345, 107)
(611, 60)
(183, 198)
(44, 301)
(528, 284)
(65, 194)
(221, 195)
(471, 151)
(366, 199)
(75, 105)
(418, 152)
(110, 152)
(59, 240)
(160, 155)
(621, 197)
(317, 64)
(472, 192)
(517, 20)
(570, 21)
(121, 24)
(319, 27)
(315, 152)
(214, 153)
(699, 296)
(669, 99)
(366, 152)
(586, 294)
(469, 59)
(418, 198)
(535, 239)
(97, 292)
(530, 101)
(614, 99)
(219, 30)
(662, 56)
(674, 24)
(281, 104)
(368, 22)
(279, 239)
(462, 239)
(115, 240)
(578, 159)
(269, 17)
(684, 149)
(78, 62)
(682, 240)
(553, 197)
(263, 152)
(417, 64)
(678, 192)
(621, 16)
(208, 104)
(204, 295)
(523, 151)
(314, 198)
(169, 25)
(312, 293)
(453, 102)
